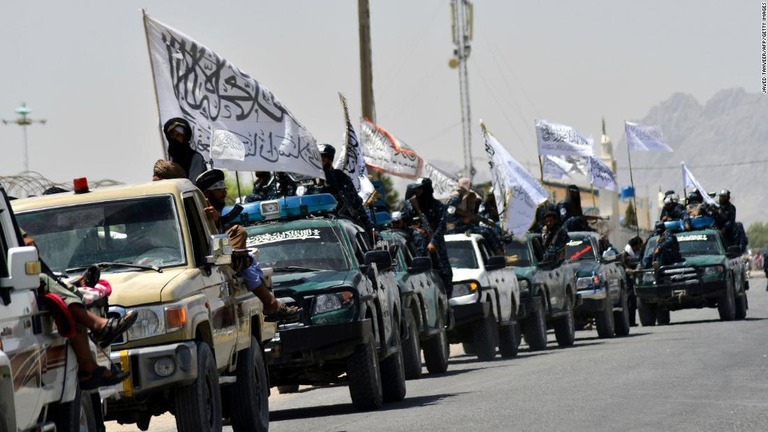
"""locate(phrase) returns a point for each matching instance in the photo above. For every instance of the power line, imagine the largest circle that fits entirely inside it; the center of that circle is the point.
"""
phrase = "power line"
(720, 165)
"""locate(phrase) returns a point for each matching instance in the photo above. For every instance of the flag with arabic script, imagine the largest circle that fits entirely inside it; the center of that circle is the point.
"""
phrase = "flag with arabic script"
(645, 138)
(387, 154)
(351, 160)
(235, 119)
(690, 182)
(601, 175)
(516, 191)
(558, 139)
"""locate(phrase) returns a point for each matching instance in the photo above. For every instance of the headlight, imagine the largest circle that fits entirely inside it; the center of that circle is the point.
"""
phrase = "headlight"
(712, 271)
(325, 303)
(648, 278)
(150, 322)
(465, 288)
(583, 282)
(524, 285)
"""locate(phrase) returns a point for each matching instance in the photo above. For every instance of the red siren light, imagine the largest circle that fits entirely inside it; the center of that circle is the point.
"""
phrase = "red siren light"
(81, 185)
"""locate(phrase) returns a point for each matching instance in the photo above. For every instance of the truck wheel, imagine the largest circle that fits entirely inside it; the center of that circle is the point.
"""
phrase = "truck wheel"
(250, 393)
(508, 341)
(412, 348)
(535, 328)
(565, 327)
(437, 351)
(290, 388)
(604, 321)
(77, 415)
(741, 306)
(198, 405)
(662, 316)
(393, 371)
(469, 348)
(364, 377)
(647, 312)
(726, 304)
(621, 318)
(484, 336)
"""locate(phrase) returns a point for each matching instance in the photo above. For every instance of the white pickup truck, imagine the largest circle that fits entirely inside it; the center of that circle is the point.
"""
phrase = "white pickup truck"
(485, 298)
(38, 371)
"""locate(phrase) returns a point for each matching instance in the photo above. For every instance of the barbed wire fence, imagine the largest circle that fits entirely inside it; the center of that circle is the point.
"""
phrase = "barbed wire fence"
(32, 183)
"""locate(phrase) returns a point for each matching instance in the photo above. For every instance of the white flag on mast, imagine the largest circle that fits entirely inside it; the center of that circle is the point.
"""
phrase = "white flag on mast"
(516, 191)
(443, 183)
(645, 138)
(601, 175)
(351, 160)
(385, 153)
(558, 139)
(250, 129)
(689, 182)
(556, 168)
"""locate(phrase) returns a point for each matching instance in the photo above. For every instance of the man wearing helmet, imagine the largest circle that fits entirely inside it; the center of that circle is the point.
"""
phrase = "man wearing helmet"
(431, 241)
(338, 184)
(672, 209)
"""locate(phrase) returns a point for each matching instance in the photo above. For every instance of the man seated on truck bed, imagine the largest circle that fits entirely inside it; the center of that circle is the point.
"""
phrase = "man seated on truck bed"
(463, 216)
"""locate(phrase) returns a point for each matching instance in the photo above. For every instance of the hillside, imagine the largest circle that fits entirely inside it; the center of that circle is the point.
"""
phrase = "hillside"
(722, 142)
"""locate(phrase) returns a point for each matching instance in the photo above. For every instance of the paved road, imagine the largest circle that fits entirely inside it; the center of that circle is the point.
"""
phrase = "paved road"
(697, 374)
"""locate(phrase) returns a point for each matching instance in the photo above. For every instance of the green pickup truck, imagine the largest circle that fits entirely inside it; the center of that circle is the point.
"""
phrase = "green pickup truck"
(349, 329)
(547, 294)
(711, 275)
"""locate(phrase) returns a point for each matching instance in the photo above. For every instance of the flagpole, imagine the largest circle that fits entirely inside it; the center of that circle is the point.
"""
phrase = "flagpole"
(634, 192)
(154, 82)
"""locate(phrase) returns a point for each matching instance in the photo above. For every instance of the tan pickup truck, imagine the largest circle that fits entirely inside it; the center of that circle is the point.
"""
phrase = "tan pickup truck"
(196, 348)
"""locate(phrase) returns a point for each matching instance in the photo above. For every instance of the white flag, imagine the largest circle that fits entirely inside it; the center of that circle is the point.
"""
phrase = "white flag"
(194, 82)
(351, 160)
(601, 175)
(558, 139)
(443, 183)
(516, 191)
(385, 153)
(689, 182)
(556, 168)
(645, 138)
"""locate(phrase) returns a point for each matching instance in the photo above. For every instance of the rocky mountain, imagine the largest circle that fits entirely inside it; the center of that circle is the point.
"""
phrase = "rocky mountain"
(722, 142)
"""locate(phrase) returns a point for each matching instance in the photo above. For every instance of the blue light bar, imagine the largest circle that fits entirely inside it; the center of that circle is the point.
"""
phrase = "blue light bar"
(382, 218)
(697, 223)
(286, 208)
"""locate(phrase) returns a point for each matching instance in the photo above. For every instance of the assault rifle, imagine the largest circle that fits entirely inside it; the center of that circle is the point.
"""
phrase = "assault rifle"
(475, 217)
(422, 218)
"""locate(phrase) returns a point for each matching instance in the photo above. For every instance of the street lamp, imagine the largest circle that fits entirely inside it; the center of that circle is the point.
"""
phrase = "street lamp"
(24, 121)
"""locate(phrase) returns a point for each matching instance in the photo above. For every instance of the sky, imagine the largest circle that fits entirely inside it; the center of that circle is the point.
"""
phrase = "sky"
(83, 66)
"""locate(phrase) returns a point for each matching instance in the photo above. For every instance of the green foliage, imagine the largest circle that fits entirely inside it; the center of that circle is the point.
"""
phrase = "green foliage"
(391, 195)
(630, 217)
(245, 186)
(758, 235)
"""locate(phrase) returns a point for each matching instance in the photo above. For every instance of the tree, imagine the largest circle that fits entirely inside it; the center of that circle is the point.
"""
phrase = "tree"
(390, 194)
(630, 217)
(758, 235)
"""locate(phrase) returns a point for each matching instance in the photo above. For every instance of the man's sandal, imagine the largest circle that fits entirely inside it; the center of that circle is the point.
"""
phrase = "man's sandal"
(285, 314)
(96, 379)
(114, 328)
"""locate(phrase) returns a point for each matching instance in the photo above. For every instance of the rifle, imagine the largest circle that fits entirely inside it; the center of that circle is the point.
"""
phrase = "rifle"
(422, 218)
(475, 217)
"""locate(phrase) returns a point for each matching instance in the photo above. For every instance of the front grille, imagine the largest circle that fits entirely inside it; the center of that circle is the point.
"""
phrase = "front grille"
(679, 275)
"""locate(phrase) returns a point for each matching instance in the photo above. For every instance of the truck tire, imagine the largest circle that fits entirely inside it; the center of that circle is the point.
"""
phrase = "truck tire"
(647, 312)
(604, 321)
(535, 328)
(198, 405)
(393, 371)
(621, 318)
(508, 341)
(77, 415)
(726, 304)
(663, 316)
(250, 393)
(484, 338)
(741, 306)
(565, 327)
(412, 348)
(364, 377)
(437, 351)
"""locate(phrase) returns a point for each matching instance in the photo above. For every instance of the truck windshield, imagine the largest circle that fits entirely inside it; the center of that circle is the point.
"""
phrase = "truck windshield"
(461, 254)
(580, 250)
(519, 253)
(692, 244)
(309, 248)
(142, 231)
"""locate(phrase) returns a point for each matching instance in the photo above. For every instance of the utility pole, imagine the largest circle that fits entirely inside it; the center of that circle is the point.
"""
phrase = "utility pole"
(462, 15)
(24, 121)
(366, 69)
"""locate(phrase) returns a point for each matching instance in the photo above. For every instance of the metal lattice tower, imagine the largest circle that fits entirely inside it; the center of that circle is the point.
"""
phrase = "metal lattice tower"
(24, 121)
(462, 12)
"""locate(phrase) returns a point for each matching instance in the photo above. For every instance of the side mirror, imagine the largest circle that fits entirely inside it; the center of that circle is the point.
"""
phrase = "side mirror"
(496, 262)
(420, 265)
(221, 250)
(24, 269)
(381, 258)
(733, 251)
